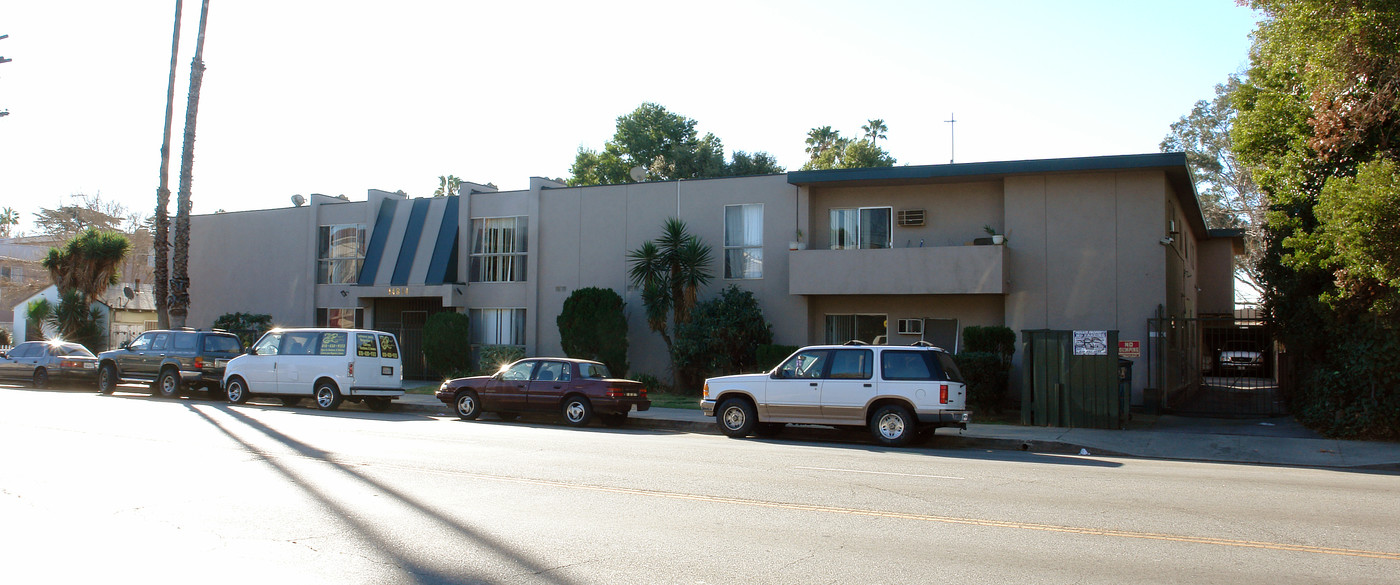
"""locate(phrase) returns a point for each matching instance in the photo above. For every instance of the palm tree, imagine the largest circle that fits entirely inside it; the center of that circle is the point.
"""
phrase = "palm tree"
(88, 263)
(161, 234)
(821, 139)
(670, 271)
(8, 219)
(180, 282)
(447, 186)
(875, 130)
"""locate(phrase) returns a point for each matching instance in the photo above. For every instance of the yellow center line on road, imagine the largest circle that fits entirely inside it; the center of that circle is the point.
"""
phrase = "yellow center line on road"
(1280, 546)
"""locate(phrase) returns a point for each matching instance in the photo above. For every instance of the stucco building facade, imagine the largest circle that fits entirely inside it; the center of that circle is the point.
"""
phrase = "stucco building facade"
(1089, 243)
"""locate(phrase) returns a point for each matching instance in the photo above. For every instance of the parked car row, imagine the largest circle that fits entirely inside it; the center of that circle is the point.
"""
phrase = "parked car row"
(899, 393)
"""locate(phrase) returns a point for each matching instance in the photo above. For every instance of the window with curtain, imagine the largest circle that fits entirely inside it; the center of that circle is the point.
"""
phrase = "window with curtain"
(340, 253)
(867, 328)
(498, 249)
(864, 228)
(743, 241)
(497, 326)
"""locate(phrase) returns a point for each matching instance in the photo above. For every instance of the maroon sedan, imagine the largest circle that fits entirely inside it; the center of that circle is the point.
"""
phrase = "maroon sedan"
(578, 389)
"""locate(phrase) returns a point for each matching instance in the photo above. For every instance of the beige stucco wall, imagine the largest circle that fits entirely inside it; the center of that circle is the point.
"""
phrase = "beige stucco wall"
(1217, 281)
(254, 262)
(969, 310)
(585, 236)
(954, 212)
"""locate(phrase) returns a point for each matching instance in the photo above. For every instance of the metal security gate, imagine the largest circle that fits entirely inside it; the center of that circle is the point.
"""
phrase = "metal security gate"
(1216, 366)
(405, 319)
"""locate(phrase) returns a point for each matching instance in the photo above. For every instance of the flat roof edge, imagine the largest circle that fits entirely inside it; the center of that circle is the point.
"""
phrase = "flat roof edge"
(1051, 165)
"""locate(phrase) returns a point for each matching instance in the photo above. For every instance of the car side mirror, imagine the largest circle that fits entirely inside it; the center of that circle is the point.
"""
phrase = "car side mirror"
(123, 345)
(252, 351)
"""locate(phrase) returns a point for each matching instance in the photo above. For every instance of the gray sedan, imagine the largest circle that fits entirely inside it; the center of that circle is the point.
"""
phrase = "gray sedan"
(39, 362)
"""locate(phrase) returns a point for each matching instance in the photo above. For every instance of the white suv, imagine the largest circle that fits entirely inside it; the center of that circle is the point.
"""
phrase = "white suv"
(896, 391)
(332, 365)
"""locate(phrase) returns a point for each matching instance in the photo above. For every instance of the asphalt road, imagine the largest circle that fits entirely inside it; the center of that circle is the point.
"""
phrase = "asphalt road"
(132, 489)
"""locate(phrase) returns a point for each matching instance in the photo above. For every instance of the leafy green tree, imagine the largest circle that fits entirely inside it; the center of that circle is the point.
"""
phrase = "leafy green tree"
(670, 271)
(248, 326)
(88, 263)
(1228, 195)
(72, 319)
(448, 185)
(743, 164)
(829, 150)
(593, 327)
(88, 211)
(721, 337)
(1317, 126)
(447, 345)
(667, 146)
(9, 218)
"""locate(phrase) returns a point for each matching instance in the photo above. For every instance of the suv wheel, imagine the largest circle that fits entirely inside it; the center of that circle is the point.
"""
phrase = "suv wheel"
(736, 417)
(577, 411)
(169, 383)
(892, 425)
(237, 390)
(107, 379)
(328, 396)
(468, 405)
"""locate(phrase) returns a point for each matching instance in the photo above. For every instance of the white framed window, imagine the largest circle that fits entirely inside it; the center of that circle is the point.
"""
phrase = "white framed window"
(861, 228)
(743, 241)
(860, 327)
(497, 326)
(340, 253)
(498, 249)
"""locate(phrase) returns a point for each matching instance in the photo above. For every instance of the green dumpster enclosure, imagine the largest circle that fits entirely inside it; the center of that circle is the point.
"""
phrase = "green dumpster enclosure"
(1073, 379)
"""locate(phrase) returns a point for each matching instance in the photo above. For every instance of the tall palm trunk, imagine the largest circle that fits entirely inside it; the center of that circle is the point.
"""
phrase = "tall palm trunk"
(161, 241)
(180, 281)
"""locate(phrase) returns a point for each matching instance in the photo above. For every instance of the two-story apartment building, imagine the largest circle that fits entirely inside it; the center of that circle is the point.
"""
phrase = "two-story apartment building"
(896, 253)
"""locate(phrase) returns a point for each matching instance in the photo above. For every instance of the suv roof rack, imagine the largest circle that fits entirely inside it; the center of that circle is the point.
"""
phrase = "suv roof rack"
(921, 343)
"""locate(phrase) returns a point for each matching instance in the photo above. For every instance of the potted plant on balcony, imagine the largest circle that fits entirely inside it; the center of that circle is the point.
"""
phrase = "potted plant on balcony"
(997, 239)
(797, 244)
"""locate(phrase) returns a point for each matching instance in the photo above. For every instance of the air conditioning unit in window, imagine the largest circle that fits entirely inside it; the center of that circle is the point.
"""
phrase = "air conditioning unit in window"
(911, 326)
(910, 217)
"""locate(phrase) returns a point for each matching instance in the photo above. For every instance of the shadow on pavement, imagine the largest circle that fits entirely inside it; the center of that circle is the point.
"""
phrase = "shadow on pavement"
(371, 533)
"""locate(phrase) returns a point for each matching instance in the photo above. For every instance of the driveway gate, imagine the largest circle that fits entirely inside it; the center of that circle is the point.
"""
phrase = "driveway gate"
(1216, 366)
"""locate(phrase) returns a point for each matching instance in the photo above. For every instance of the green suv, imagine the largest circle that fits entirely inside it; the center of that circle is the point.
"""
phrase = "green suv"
(171, 361)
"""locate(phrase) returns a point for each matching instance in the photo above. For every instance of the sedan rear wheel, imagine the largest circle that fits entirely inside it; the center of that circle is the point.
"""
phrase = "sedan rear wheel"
(41, 378)
(578, 411)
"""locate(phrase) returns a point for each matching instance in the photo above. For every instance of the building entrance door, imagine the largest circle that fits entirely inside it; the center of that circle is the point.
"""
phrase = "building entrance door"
(405, 318)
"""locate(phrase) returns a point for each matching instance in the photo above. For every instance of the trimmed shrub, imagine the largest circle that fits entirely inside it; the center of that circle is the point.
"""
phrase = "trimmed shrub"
(769, 356)
(247, 326)
(447, 344)
(991, 339)
(986, 376)
(593, 327)
(721, 337)
(495, 356)
(650, 382)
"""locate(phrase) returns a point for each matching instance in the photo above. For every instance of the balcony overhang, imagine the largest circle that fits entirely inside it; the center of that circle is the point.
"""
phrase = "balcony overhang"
(947, 270)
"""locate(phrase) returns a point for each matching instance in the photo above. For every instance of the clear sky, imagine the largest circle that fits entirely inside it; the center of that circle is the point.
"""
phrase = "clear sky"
(337, 97)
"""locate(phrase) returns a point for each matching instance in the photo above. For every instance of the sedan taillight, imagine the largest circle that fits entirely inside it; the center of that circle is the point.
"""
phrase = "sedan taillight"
(70, 364)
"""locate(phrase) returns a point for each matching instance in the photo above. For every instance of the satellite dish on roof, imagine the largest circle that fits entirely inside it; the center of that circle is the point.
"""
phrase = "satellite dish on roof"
(298, 200)
(128, 293)
(638, 174)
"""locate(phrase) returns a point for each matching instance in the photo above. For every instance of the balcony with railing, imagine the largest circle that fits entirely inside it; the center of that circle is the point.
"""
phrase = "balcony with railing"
(940, 270)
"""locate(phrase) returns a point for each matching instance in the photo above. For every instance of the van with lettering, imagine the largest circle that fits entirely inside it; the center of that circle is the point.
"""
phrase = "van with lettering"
(328, 365)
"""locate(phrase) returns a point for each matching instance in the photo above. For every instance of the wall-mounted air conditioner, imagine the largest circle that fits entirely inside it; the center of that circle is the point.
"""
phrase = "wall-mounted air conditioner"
(910, 217)
(911, 326)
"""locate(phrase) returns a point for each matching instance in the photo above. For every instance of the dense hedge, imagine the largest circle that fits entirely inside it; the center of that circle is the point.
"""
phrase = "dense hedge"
(592, 327)
(493, 357)
(986, 376)
(721, 337)
(992, 339)
(447, 344)
(769, 356)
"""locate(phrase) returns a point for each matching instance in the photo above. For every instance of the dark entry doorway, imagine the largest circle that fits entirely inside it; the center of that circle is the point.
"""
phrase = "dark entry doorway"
(405, 318)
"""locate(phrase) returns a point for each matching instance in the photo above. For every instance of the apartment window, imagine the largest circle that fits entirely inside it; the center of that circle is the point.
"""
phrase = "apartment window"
(340, 253)
(498, 326)
(867, 328)
(351, 318)
(743, 241)
(863, 228)
(498, 249)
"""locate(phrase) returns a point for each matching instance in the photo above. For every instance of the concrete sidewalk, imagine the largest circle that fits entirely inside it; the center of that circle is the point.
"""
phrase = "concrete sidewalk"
(1277, 441)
